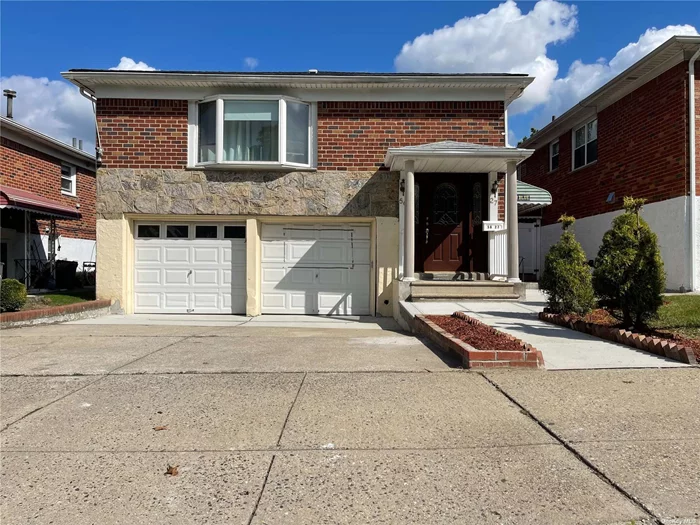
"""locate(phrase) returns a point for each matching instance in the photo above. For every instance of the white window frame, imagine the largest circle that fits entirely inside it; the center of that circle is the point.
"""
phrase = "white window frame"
(73, 180)
(193, 134)
(551, 156)
(585, 145)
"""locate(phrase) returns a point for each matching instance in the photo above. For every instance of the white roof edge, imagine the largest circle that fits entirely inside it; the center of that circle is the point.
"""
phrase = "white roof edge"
(41, 138)
(292, 78)
(676, 45)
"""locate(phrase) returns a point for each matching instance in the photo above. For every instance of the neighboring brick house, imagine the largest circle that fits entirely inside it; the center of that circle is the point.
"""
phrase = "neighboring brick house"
(300, 192)
(631, 137)
(43, 182)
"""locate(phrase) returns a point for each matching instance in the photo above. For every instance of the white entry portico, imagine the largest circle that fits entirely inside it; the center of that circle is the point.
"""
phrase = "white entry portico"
(459, 161)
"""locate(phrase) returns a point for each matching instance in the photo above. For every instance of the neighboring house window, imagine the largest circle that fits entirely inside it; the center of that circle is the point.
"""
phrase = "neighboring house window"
(68, 180)
(586, 144)
(253, 131)
(554, 155)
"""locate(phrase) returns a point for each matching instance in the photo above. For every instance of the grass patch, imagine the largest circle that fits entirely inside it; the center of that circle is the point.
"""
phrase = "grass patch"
(680, 315)
(59, 299)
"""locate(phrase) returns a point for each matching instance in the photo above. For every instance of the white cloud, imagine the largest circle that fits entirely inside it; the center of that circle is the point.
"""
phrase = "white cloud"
(583, 79)
(251, 62)
(504, 40)
(129, 64)
(52, 107)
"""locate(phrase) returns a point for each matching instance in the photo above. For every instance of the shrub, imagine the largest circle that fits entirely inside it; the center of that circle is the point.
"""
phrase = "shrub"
(13, 295)
(566, 278)
(629, 274)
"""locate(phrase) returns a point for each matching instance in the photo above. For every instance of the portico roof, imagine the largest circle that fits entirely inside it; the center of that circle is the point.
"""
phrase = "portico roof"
(454, 157)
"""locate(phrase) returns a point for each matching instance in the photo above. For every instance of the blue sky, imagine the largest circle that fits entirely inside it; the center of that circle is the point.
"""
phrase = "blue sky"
(42, 39)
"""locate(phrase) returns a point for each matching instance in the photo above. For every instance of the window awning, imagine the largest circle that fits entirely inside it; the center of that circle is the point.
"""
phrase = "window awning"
(531, 198)
(454, 157)
(28, 201)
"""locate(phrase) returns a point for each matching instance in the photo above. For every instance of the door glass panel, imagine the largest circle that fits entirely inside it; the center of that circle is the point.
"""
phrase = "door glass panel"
(205, 232)
(416, 202)
(445, 208)
(178, 231)
(476, 202)
(148, 231)
(234, 232)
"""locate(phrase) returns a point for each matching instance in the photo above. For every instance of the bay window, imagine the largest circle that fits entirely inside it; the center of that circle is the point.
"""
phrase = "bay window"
(251, 131)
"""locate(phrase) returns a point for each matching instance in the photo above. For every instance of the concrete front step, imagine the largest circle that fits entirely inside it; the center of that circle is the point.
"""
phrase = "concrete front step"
(449, 290)
(452, 276)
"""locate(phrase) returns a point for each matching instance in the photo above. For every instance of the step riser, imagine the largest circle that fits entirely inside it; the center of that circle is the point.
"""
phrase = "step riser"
(451, 290)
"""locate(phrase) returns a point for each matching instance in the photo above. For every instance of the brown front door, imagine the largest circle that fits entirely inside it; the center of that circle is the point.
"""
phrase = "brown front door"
(449, 213)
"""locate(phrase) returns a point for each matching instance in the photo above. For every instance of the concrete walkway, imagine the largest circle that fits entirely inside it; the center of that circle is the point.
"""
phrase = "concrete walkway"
(561, 347)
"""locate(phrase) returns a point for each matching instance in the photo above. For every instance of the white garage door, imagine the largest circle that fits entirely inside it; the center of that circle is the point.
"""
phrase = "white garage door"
(315, 269)
(189, 268)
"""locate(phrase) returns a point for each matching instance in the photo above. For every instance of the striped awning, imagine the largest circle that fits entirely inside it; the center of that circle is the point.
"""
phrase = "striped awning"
(531, 198)
(28, 201)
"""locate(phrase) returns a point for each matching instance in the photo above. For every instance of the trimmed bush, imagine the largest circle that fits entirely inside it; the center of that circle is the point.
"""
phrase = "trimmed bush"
(629, 273)
(13, 295)
(566, 278)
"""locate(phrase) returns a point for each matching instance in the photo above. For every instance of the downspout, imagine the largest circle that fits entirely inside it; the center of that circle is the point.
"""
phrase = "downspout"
(88, 94)
(694, 285)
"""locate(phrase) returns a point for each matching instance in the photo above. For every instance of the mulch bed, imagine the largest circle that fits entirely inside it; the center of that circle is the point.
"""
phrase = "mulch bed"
(602, 317)
(479, 336)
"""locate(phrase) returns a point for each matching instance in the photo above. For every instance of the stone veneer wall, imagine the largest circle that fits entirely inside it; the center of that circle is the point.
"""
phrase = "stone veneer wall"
(214, 192)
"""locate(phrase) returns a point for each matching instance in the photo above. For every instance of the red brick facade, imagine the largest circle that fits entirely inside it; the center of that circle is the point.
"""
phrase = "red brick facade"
(139, 133)
(27, 169)
(642, 151)
(352, 136)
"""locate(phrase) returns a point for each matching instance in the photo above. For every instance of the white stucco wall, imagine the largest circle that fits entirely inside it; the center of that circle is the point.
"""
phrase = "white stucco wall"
(81, 250)
(666, 218)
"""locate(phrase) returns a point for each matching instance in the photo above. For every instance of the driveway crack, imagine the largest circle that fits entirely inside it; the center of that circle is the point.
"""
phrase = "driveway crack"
(609, 481)
(289, 413)
(262, 489)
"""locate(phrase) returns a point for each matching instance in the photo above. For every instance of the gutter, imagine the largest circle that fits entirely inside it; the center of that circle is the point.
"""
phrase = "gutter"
(694, 285)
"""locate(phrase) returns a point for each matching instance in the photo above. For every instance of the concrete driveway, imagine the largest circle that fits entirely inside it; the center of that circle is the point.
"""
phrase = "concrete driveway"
(348, 422)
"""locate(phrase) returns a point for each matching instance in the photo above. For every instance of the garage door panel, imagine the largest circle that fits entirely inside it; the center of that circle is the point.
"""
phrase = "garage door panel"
(332, 278)
(206, 278)
(273, 231)
(147, 300)
(333, 253)
(175, 300)
(190, 275)
(297, 250)
(205, 255)
(273, 251)
(151, 276)
(176, 277)
(297, 277)
(148, 254)
(316, 274)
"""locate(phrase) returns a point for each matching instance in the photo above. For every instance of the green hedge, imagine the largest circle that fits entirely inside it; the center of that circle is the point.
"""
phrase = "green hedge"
(13, 295)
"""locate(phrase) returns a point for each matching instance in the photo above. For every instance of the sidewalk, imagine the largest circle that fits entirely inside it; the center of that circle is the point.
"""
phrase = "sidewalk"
(562, 348)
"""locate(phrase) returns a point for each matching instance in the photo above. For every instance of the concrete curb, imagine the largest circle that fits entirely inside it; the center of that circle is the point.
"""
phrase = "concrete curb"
(528, 357)
(654, 345)
(56, 314)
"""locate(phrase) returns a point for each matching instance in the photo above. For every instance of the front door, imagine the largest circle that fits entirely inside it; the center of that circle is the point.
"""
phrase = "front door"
(449, 215)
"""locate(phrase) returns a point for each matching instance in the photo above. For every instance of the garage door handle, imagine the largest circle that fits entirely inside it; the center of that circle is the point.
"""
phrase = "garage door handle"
(189, 273)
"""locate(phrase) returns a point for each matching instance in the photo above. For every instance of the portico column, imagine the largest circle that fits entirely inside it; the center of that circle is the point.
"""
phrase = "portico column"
(512, 214)
(409, 223)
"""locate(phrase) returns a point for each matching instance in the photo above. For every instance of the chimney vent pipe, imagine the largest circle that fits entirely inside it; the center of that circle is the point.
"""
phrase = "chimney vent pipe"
(10, 94)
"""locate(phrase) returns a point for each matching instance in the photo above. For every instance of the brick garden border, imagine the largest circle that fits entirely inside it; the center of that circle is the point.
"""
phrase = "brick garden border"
(528, 357)
(54, 314)
(654, 345)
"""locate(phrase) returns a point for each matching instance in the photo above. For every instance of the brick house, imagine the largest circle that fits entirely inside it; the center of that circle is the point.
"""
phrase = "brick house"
(308, 193)
(637, 135)
(47, 203)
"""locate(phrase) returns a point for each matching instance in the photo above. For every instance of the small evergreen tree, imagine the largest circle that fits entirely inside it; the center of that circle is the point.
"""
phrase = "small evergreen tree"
(566, 278)
(13, 295)
(629, 274)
